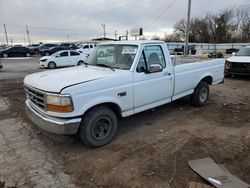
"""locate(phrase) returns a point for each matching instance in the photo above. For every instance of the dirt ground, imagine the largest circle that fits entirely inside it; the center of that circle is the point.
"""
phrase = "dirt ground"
(151, 149)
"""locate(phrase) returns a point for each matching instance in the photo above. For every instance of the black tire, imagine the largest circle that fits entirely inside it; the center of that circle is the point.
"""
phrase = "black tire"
(46, 53)
(27, 54)
(51, 65)
(98, 127)
(201, 93)
(5, 55)
(80, 63)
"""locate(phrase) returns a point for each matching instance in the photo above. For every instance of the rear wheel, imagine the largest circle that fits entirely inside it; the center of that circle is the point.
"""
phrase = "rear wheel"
(27, 54)
(80, 63)
(201, 93)
(98, 126)
(51, 65)
(46, 53)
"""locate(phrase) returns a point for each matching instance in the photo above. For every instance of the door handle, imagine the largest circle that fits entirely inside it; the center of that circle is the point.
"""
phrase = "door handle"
(166, 74)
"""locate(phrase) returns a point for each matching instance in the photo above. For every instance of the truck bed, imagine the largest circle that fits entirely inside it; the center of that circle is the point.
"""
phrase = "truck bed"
(190, 59)
(188, 75)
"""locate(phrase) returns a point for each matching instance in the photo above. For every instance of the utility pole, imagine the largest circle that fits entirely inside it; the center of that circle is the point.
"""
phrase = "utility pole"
(115, 35)
(6, 34)
(187, 29)
(28, 33)
(127, 35)
(104, 32)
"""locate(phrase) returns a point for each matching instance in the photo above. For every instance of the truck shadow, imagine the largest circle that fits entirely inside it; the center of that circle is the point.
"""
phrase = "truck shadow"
(149, 117)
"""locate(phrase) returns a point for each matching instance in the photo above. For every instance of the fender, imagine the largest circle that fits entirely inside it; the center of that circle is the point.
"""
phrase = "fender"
(97, 101)
(204, 76)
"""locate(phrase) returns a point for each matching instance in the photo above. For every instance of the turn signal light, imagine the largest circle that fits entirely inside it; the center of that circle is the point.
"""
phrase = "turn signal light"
(56, 108)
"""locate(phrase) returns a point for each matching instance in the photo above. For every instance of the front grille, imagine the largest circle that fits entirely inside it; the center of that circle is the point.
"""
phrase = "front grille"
(240, 66)
(36, 97)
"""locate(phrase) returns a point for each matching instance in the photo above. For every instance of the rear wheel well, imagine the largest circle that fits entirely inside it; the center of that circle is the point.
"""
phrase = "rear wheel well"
(114, 107)
(208, 79)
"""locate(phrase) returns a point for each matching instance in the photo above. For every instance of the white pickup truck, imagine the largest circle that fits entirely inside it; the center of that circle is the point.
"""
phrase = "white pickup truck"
(132, 76)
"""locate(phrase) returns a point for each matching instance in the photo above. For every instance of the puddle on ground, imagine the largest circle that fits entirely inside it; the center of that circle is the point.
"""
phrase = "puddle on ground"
(4, 104)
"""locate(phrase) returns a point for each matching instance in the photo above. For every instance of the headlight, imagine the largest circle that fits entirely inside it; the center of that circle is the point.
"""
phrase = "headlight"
(228, 65)
(43, 60)
(59, 103)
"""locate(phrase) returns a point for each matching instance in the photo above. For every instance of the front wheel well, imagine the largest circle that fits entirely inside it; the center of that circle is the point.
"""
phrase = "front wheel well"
(113, 106)
(208, 79)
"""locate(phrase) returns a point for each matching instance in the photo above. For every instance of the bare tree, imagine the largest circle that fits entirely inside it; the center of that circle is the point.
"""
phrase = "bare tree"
(229, 25)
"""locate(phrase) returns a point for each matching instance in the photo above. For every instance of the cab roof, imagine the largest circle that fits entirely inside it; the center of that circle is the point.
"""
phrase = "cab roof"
(133, 42)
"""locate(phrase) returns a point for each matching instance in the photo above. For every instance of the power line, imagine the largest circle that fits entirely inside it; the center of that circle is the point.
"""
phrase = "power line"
(44, 28)
(163, 12)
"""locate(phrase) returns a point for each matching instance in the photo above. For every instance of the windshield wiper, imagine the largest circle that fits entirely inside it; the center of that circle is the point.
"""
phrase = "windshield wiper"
(104, 65)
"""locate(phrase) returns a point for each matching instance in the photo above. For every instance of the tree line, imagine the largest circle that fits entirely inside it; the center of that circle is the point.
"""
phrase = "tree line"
(227, 26)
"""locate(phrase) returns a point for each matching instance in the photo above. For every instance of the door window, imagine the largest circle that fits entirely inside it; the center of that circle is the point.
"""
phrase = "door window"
(74, 53)
(64, 54)
(153, 55)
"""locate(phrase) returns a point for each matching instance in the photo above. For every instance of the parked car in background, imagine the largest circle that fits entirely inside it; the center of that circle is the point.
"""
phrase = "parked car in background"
(34, 48)
(215, 55)
(62, 59)
(239, 63)
(191, 50)
(86, 49)
(69, 45)
(4, 47)
(52, 50)
(15, 51)
(46, 46)
(231, 50)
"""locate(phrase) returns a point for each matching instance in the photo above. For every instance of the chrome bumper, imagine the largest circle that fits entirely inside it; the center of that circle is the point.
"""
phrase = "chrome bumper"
(51, 124)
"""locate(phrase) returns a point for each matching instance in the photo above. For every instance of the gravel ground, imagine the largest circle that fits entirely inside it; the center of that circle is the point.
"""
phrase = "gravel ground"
(151, 149)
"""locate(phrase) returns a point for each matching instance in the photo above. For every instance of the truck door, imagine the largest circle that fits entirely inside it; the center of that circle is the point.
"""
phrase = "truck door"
(153, 88)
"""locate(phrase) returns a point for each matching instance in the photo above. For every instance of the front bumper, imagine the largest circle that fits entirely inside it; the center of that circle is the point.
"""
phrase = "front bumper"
(52, 124)
(237, 72)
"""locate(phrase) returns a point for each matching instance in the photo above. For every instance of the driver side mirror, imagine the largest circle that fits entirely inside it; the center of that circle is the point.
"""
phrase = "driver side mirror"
(155, 68)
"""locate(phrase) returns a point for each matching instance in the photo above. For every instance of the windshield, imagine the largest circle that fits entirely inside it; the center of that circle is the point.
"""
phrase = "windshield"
(117, 56)
(244, 52)
(55, 54)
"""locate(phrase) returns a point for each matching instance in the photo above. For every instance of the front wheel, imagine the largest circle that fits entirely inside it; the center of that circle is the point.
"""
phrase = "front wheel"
(51, 65)
(27, 54)
(5, 55)
(201, 93)
(98, 126)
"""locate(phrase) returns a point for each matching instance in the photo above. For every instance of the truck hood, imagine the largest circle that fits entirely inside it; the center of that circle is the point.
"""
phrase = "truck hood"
(56, 80)
(239, 59)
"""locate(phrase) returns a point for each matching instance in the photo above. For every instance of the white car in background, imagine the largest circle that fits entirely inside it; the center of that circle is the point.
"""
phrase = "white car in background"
(86, 49)
(239, 63)
(62, 58)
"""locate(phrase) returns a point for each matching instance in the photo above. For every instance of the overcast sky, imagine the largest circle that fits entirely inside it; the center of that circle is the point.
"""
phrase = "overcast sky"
(60, 20)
